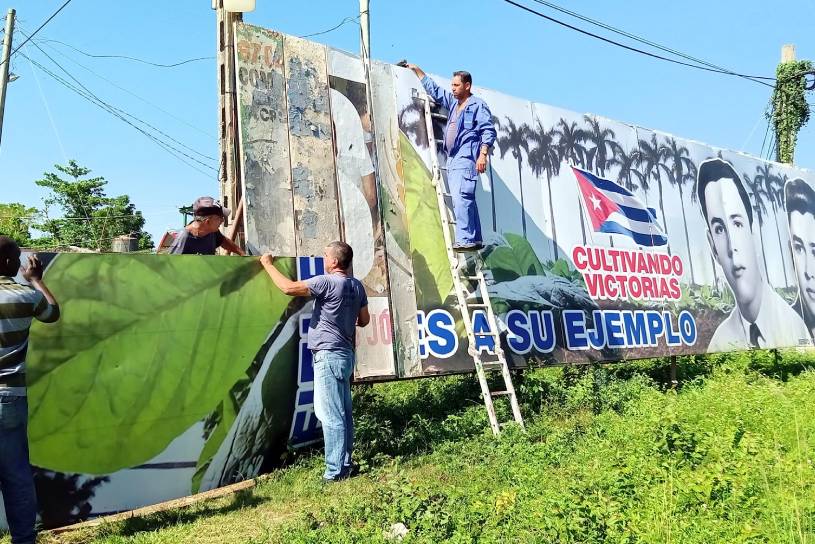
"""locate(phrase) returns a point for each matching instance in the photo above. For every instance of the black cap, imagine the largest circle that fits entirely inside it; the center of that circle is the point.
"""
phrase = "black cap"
(206, 205)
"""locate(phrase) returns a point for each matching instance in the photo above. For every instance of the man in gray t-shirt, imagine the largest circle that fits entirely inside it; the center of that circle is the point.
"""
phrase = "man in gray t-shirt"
(340, 305)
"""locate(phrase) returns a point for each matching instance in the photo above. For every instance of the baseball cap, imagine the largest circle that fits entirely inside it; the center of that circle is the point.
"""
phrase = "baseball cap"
(206, 205)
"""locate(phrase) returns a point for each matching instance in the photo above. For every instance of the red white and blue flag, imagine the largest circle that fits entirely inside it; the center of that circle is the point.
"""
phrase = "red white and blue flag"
(614, 210)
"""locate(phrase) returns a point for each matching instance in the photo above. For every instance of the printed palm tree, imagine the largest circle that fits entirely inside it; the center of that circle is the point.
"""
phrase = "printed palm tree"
(627, 162)
(774, 190)
(497, 124)
(759, 197)
(650, 158)
(412, 122)
(571, 149)
(603, 140)
(694, 198)
(680, 170)
(544, 159)
(515, 139)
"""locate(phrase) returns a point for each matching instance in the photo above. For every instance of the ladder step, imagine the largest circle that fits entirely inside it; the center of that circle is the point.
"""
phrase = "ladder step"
(477, 305)
(492, 365)
(500, 393)
(439, 116)
(485, 334)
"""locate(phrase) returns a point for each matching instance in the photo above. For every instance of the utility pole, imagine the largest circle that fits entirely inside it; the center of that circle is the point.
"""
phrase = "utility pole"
(6, 60)
(365, 30)
(229, 175)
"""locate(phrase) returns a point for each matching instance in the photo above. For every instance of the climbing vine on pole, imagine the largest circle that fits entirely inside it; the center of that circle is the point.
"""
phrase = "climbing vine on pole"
(790, 110)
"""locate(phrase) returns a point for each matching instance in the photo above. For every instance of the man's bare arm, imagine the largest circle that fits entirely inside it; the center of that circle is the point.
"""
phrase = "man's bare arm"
(232, 247)
(364, 317)
(289, 287)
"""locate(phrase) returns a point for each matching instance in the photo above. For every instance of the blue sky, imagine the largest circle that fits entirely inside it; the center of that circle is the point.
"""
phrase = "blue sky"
(506, 49)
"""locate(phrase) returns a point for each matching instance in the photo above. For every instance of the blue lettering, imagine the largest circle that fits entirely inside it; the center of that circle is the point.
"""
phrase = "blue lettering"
(614, 329)
(671, 336)
(574, 324)
(543, 330)
(635, 329)
(655, 327)
(442, 341)
(687, 328)
(597, 336)
(308, 267)
(519, 338)
(481, 328)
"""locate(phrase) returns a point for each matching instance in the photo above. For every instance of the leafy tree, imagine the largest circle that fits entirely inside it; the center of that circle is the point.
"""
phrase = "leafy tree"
(544, 158)
(681, 171)
(515, 139)
(16, 221)
(91, 219)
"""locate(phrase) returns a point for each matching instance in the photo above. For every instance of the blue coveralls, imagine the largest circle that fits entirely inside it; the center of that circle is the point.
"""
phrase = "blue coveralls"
(475, 128)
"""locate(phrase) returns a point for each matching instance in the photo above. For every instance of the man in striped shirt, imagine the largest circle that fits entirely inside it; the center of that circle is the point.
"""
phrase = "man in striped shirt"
(19, 305)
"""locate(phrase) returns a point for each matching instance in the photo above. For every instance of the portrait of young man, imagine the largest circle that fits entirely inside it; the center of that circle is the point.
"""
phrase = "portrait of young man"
(800, 204)
(760, 318)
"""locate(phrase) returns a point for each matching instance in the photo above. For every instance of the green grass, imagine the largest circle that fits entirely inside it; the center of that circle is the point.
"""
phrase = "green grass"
(610, 455)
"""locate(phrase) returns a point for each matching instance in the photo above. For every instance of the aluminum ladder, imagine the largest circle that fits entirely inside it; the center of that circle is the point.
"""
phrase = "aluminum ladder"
(468, 273)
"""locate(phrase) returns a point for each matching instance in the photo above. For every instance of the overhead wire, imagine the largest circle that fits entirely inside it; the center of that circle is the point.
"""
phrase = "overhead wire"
(66, 72)
(38, 29)
(127, 57)
(645, 41)
(124, 89)
(164, 145)
(631, 48)
(332, 29)
(121, 114)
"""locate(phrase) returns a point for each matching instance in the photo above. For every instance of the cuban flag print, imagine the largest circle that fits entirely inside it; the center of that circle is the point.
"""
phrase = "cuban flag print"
(615, 210)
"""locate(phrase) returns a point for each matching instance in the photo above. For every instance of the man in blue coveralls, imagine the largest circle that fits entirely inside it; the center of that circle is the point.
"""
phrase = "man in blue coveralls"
(468, 139)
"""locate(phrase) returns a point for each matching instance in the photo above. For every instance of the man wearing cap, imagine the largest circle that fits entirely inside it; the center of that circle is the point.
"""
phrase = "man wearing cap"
(202, 237)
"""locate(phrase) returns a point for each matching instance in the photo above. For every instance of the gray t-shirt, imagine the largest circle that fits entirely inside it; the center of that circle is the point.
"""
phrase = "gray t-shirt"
(337, 301)
(188, 244)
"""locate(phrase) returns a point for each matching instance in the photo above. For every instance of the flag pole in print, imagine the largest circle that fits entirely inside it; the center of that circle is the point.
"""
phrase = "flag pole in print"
(613, 209)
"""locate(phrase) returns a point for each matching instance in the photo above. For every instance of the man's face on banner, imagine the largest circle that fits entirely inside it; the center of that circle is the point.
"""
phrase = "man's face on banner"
(802, 234)
(731, 238)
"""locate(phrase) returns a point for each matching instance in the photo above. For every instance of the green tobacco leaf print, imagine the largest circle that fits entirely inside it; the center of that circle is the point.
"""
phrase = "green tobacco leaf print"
(516, 259)
(146, 346)
(430, 265)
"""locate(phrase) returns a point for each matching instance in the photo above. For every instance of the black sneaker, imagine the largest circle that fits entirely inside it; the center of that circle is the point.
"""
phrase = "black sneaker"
(463, 248)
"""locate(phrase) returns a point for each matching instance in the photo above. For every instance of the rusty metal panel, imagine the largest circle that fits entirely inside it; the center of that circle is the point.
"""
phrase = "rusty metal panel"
(394, 218)
(313, 180)
(265, 164)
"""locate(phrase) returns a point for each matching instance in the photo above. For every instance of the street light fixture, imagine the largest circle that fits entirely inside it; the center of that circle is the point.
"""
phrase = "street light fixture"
(13, 77)
(239, 6)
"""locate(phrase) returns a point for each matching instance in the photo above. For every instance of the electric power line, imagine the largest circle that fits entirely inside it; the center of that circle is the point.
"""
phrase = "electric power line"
(58, 65)
(127, 57)
(38, 29)
(164, 145)
(332, 29)
(124, 89)
(645, 41)
(631, 48)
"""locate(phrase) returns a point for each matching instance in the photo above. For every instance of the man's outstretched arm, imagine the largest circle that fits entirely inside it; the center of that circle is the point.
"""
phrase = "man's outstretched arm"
(289, 287)
(443, 97)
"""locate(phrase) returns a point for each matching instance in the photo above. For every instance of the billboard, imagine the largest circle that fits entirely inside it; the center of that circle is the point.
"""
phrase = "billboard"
(168, 375)
(603, 241)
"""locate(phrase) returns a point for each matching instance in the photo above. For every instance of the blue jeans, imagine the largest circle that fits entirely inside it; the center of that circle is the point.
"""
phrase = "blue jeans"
(16, 479)
(332, 405)
(461, 182)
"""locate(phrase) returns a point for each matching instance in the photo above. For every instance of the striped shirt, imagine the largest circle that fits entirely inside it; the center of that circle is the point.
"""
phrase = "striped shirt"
(19, 305)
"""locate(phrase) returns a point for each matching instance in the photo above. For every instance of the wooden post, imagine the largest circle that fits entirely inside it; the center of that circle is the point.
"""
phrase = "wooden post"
(674, 380)
(229, 165)
(788, 53)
